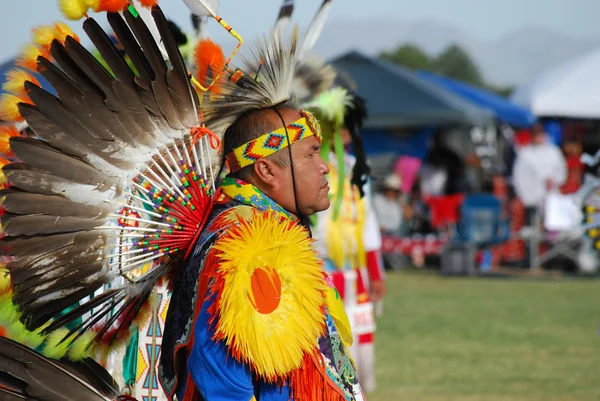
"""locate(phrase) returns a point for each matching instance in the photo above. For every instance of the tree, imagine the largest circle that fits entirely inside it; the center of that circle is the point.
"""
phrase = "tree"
(455, 63)
(410, 56)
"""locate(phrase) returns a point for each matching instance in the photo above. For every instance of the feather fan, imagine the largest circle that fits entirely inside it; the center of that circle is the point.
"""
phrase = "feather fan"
(113, 179)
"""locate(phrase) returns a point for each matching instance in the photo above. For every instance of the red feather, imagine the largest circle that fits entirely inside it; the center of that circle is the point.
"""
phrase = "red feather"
(208, 55)
(148, 3)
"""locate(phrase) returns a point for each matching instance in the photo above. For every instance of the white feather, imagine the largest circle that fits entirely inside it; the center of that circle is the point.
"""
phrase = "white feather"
(203, 7)
(315, 29)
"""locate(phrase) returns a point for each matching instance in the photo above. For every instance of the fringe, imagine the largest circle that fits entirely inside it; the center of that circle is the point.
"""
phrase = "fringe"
(311, 382)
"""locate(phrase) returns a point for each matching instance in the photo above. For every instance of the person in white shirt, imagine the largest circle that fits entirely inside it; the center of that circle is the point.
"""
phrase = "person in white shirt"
(540, 168)
(387, 206)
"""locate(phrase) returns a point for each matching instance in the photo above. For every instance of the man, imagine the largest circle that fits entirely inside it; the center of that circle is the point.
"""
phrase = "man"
(251, 315)
(349, 238)
(539, 169)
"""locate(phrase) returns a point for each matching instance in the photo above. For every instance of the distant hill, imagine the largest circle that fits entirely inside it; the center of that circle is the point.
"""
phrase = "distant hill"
(513, 59)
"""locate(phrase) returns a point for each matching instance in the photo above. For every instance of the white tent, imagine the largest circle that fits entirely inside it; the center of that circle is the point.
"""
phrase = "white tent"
(569, 90)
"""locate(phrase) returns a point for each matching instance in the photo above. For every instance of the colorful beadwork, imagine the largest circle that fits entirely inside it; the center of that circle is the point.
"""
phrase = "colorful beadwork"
(275, 141)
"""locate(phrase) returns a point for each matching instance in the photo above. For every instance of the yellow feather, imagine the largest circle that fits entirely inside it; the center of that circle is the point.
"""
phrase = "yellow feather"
(15, 82)
(9, 319)
(28, 57)
(43, 35)
(73, 9)
(9, 111)
(5, 282)
(336, 309)
(62, 30)
(54, 346)
(82, 347)
(274, 343)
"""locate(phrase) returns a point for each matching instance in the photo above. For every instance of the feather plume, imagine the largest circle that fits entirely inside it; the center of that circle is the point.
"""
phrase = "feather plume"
(15, 82)
(273, 86)
(43, 36)
(7, 132)
(148, 3)
(9, 109)
(209, 59)
(312, 78)
(62, 31)
(111, 6)
(29, 56)
(73, 9)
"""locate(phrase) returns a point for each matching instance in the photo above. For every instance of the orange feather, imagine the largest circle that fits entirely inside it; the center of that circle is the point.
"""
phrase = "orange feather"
(208, 56)
(111, 6)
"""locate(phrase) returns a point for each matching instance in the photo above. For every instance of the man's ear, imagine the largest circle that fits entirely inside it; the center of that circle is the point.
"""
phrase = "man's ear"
(265, 172)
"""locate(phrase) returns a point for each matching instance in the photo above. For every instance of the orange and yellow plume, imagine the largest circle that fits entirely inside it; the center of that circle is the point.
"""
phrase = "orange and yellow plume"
(3, 162)
(208, 54)
(29, 55)
(9, 109)
(15, 82)
(77, 9)
(62, 30)
(7, 132)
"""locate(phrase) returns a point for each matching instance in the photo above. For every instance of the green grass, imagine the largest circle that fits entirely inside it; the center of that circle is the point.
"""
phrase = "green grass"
(470, 339)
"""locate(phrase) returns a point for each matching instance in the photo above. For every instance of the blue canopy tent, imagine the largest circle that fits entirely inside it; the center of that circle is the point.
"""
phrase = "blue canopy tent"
(398, 98)
(504, 110)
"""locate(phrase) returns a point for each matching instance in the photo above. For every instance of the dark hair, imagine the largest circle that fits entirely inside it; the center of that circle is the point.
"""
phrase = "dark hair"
(250, 126)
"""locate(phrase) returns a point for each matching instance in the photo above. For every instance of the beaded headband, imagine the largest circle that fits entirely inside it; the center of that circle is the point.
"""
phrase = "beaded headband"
(274, 141)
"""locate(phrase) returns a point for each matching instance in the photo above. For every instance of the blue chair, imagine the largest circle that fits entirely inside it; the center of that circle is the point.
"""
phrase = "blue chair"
(481, 222)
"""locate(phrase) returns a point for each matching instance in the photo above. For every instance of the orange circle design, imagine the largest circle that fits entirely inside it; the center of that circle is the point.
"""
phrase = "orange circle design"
(266, 290)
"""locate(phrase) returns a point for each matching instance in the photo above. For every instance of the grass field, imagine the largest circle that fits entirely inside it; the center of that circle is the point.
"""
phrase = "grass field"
(471, 339)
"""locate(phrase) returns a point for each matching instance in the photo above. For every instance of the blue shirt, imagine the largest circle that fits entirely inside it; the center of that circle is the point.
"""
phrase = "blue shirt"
(217, 375)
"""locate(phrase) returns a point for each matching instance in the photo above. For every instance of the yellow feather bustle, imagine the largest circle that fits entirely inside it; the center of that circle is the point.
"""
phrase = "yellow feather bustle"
(270, 290)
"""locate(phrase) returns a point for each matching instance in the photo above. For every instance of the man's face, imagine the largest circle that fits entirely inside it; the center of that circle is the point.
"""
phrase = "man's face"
(312, 188)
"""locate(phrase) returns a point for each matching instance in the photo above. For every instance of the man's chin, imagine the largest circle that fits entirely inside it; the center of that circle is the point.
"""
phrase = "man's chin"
(324, 205)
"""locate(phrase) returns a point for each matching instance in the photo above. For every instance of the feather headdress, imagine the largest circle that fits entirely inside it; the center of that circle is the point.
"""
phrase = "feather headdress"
(265, 81)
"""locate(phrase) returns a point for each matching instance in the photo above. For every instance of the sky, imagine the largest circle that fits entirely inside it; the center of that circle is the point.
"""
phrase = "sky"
(484, 19)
